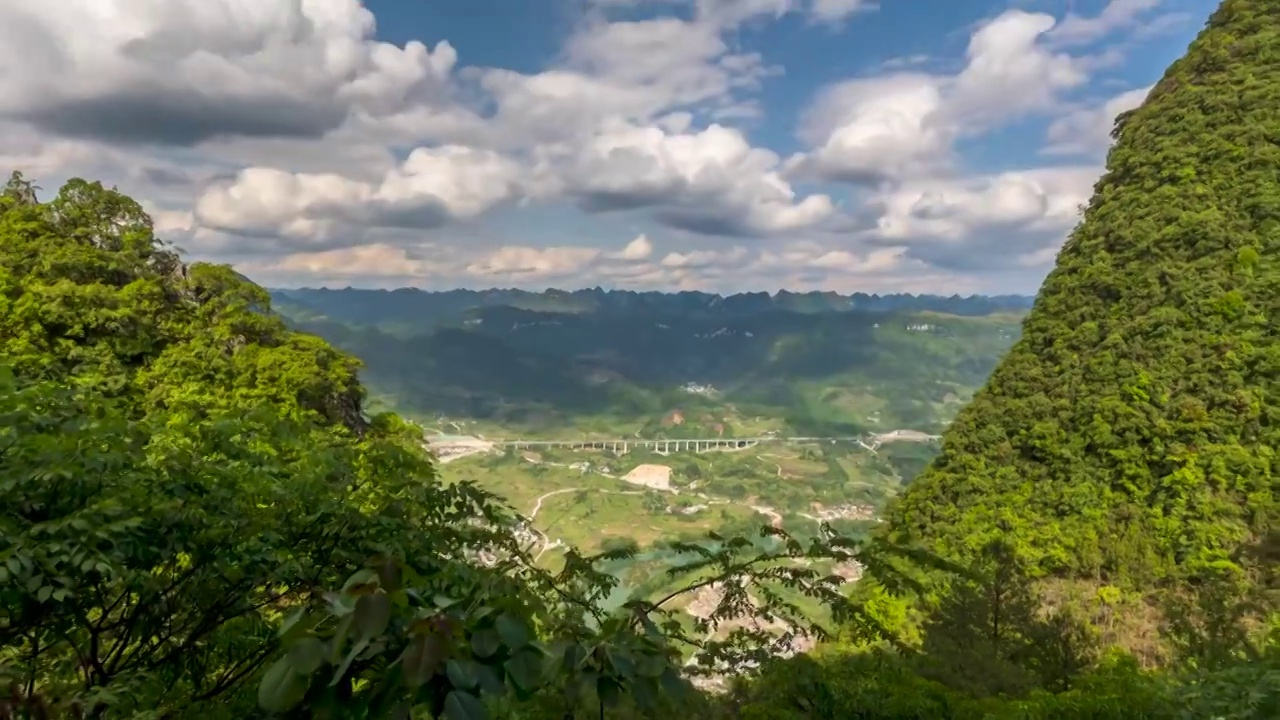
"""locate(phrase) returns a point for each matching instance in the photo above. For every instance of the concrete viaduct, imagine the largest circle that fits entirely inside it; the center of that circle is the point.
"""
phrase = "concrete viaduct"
(623, 445)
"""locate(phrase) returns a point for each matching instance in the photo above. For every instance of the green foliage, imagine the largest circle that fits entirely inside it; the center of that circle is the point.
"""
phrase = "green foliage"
(1126, 438)
(875, 682)
(987, 636)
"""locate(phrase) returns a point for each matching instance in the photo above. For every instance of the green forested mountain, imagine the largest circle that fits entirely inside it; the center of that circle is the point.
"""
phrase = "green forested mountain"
(550, 369)
(1126, 445)
(1129, 436)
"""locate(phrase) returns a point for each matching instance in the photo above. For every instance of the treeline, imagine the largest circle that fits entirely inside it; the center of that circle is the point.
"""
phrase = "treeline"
(422, 309)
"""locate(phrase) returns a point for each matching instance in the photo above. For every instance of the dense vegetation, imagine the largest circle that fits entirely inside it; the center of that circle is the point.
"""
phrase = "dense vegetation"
(199, 519)
(1125, 447)
(1129, 436)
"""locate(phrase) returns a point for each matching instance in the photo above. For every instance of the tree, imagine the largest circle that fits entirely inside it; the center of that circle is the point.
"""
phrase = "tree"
(990, 637)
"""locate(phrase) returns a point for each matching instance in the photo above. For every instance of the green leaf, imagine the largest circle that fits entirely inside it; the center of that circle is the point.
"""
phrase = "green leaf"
(491, 680)
(652, 666)
(485, 642)
(290, 621)
(421, 659)
(623, 665)
(360, 581)
(673, 685)
(281, 688)
(459, 705)
(574, 657)
(306, 655)
(372, 615)
(513, 631)
(462, 674)
(390, 573)
(609, 692)
(526, 669)
(645, 691)
(355, 651)
(444, 602)
(339, 638)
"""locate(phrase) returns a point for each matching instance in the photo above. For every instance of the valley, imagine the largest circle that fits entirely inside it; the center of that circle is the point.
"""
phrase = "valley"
(622, 427)
(631, 424)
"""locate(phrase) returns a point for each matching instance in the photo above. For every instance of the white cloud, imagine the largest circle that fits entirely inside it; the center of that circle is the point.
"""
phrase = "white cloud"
(638, 71)
(1008, 72)
(876, 128)
(281, 134)
(836, 10)
(1117, 15)
(985, 221)
(731, 13)
(638, 249)
(704, 258)
(1087, 131)
(522, 264)
(183, 71)
(904, 125)
(431, 187)
(710, 182)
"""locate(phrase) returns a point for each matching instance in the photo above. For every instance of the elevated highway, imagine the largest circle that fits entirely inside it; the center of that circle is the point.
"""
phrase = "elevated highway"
(673, 445)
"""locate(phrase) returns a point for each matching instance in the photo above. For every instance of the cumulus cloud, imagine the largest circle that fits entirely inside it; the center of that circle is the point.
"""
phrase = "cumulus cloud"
(836, 10)
(636, 71)
(712, 182)
(904, 125)
(1009, 72)
(431, 187)
(521, 264)
(285, 136)
(730, 13)
(876, 128)
(1087, 131)
(638, 249)
(982, 222)
(183, 71)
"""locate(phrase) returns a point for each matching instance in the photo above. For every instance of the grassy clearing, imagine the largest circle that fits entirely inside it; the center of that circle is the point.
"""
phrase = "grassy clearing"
(517, 480)
(587, 519)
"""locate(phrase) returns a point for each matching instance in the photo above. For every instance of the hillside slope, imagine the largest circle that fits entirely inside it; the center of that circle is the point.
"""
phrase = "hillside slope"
(1129, 436)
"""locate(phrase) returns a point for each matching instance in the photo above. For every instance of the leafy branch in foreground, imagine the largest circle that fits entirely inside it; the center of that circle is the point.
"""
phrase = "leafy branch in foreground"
(462, 642)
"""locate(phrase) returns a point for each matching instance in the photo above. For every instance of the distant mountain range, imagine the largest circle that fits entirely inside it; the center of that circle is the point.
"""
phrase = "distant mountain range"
(421, 308)
(549, 359)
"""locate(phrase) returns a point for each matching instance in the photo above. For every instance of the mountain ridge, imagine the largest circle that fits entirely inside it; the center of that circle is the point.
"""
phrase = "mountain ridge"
(416, 305)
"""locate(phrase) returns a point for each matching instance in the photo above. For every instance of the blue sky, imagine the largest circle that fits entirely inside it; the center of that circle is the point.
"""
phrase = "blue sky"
(723, 145)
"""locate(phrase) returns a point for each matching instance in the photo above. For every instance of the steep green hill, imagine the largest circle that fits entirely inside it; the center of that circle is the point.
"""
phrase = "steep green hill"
(1130, 435)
